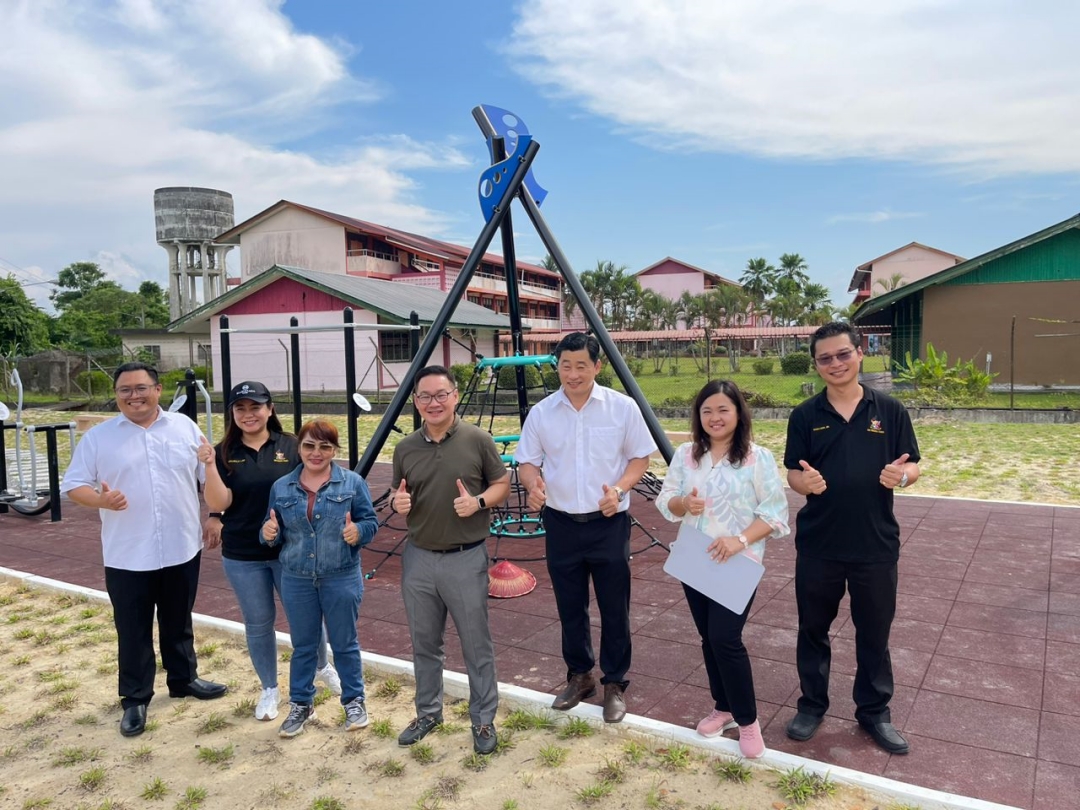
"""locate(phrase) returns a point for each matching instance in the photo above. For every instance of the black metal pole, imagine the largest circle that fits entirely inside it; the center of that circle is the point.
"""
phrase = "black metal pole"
(226, 368)
(506, 231)
(294, 343)
(414, 349)
(593, 319)
(443, 318)
(3, 463)
(53, 461)
(350, 385)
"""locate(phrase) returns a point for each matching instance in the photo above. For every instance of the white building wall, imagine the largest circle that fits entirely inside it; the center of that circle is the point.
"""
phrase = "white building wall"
(296, 238)
(266, 357)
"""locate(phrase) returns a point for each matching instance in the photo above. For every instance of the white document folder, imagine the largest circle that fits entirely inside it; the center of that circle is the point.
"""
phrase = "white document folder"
(730, 583)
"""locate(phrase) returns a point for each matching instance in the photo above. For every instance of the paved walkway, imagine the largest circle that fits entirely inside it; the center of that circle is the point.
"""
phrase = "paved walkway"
(986, 644)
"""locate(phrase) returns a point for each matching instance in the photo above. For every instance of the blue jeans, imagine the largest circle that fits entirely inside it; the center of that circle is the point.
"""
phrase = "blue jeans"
(254, 583)
(309, 602)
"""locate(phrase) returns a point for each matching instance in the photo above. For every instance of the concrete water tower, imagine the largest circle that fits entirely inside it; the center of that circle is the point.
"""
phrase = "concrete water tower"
(188, 220)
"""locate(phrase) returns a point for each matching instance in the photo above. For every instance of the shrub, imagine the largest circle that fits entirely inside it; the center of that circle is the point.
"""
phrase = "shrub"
(636, 365)
(508, 377)
(170, 379)
(551, 379)
(606, 377)
(463, 374)
(763, 367)
(756, 400)
(96, 382)
(936, 383)
(795, 363)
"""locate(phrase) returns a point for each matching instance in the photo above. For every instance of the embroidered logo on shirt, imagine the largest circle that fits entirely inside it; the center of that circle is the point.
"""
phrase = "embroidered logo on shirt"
(279, 458)
(823, 427)
(875, 426)
(237, 461)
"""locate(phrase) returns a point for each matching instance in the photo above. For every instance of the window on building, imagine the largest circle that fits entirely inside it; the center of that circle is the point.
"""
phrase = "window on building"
(150, 353)
(394, 347)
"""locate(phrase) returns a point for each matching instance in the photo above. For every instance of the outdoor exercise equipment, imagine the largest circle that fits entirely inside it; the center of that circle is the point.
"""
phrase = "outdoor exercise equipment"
(24, 485)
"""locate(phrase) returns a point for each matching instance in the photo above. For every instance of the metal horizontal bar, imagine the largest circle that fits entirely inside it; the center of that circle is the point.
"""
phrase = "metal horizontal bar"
(375, 327)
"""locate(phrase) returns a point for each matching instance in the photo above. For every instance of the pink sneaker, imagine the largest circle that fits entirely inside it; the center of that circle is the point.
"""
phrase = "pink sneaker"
(715, 723)
(751, 744)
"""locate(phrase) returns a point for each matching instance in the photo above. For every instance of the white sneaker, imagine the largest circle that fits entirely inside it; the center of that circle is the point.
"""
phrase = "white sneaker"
(268, 703)
(329, 678)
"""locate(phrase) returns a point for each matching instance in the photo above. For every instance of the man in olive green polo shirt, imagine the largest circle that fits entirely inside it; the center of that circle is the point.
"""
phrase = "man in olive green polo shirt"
(447, 475)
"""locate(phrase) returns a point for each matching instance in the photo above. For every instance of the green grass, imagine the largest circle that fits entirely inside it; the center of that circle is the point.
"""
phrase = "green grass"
(800, 787)
(155, 789)
(92, 778)
(553, 755)
(192, 799)
(75, 755)
(594, 793)
(216, 756)
(575, 727)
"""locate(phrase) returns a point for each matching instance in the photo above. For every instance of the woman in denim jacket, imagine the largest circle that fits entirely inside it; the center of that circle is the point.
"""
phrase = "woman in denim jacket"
(321, 514)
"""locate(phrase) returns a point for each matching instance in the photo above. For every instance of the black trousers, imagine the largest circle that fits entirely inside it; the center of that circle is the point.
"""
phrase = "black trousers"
(134, 596)
(600, 551)
(731, 680)
(819, 587)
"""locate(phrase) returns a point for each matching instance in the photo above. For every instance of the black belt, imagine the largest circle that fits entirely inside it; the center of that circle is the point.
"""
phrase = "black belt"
(456, 549)
(587, 517)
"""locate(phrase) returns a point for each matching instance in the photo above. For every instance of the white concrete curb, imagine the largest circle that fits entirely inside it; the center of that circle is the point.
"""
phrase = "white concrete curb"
(457, 685)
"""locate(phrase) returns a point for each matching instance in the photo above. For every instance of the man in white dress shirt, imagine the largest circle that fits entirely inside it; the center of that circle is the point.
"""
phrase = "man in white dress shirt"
(593, 446)
(140, 470)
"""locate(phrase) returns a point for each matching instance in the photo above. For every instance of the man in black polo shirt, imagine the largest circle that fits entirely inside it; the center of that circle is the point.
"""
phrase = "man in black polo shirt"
(848, 448)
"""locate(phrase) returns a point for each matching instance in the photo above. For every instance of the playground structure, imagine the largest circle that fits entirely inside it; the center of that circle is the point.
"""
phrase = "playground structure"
(29, 485)
(506, 179)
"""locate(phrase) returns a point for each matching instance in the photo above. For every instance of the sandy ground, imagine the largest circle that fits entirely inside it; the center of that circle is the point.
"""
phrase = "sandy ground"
(62, 749)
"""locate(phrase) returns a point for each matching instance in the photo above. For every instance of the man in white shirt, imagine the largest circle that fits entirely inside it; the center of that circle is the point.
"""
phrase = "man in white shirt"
(593, 445)
(141, 470)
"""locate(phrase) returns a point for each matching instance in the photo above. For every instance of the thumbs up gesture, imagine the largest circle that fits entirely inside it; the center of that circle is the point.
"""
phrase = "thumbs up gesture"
(537, 495)
(270, 529)
(401, 500)
(893, 473)
(609, 504)
(111, 499)
(465, 504)
(814, 480)
(351, 533)
(205, 451)
(694, 505)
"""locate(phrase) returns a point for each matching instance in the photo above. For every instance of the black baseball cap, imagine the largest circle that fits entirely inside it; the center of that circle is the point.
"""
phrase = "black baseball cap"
(255, 391)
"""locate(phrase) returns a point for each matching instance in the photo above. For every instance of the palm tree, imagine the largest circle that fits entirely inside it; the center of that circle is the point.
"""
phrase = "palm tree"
(893, 282)
(794, 267)
(818, 305)
(758, 279)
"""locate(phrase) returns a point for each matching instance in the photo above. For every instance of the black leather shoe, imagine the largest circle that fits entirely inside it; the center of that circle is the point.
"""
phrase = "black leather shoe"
(200, 689)
(803, 726)
(484, 739)
(133, 723)
(886, 735)
(579, 687)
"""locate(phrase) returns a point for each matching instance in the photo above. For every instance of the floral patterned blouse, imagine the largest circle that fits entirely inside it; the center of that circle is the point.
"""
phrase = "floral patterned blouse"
(734, 496)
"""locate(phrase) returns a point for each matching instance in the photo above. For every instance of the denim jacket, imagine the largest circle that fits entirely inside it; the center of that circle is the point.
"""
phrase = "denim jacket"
(316, 547)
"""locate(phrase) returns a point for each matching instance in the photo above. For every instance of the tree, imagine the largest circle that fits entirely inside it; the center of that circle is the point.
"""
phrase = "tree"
(793, 267)
(893, 282)
(75, 281)
(758, 279)
(817, 303)
(24, 328)
(89, 321)
(155, 302)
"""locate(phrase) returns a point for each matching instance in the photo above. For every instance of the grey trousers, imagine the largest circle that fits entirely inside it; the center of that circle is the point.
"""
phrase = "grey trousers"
(432, 585)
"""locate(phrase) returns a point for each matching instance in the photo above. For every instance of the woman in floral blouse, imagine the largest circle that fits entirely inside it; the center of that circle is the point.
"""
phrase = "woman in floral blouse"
(728, 487)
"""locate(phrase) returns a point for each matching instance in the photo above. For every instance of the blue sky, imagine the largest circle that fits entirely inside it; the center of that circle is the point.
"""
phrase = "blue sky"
(710, 131)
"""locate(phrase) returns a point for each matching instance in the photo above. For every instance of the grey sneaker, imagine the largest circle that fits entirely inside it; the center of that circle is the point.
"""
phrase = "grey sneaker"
(418, 729)
(299, 714)
(484, 739)
(355, 714)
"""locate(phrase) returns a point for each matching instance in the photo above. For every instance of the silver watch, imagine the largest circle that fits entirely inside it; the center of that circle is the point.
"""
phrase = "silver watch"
(903, 480)
(621, 493)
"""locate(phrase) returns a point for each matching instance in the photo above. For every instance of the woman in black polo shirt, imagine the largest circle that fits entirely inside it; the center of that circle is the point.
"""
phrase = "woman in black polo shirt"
(240, 471)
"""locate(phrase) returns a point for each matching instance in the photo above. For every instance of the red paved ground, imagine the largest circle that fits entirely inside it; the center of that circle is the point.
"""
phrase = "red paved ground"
(986, 644)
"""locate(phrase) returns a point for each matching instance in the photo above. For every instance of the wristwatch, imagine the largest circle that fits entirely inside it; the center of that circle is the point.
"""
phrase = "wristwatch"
(903, 480)
(481, 502)
(218, 515)
(621, 493)
(744, 541)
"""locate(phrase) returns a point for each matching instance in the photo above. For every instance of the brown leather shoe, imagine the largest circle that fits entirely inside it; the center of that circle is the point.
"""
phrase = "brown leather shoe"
(614, 705)
(579, 687)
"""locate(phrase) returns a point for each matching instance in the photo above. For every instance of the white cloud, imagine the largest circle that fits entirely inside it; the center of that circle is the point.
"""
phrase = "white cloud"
(874, 217)
(986, 87)
(105, 101)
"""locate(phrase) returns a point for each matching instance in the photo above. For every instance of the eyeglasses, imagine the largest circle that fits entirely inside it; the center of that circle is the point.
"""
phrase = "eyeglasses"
(826, 360)
(438, 396)
(137, 391)
(322, 447)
